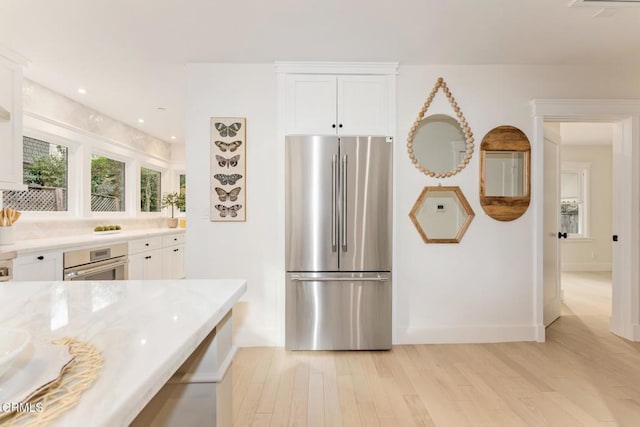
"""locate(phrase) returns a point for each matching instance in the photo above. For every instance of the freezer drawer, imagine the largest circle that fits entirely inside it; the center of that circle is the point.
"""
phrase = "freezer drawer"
(338, 311)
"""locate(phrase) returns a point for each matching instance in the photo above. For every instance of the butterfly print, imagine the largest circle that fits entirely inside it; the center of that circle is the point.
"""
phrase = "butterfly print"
(231, 195)
(231, 130)
(227, 179)
(231, 210)
(231, 162)
(231, 146)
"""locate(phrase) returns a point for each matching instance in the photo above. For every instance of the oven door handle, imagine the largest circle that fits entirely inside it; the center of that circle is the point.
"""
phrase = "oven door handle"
(83, 272)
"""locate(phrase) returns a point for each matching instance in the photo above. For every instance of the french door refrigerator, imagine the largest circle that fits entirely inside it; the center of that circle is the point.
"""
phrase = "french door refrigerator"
(338, 242)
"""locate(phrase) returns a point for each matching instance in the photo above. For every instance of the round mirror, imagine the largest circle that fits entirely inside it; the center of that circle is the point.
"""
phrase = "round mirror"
(440, 146)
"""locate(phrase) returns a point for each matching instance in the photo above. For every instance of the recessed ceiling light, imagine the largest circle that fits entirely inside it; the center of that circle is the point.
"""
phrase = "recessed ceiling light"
(173, 137)
(82, 91)
(140, 121)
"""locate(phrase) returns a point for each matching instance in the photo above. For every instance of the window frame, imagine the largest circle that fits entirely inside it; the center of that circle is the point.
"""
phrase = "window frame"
(81, 145)
(583, 169)
(73, 153)
(163, 185)
(128, 165)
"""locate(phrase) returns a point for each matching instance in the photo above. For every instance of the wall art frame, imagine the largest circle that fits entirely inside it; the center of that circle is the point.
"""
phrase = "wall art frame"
(228, 169)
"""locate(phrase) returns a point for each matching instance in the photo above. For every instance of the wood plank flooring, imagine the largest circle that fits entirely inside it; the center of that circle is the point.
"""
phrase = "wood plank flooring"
(582, 375)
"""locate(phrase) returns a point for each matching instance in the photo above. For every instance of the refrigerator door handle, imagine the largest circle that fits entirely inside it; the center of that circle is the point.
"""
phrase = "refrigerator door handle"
(339, 279)
(343, 181)
(334, 203)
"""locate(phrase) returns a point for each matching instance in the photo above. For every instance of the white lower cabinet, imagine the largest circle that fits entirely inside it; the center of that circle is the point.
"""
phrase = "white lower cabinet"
(173, 262)
(156, 258)
(146, 265)
(38, 266)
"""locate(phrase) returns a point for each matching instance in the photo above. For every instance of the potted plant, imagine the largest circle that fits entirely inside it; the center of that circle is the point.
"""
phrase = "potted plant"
(175, 200)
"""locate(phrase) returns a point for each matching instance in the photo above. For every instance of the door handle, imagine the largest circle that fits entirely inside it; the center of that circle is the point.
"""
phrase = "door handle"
(562, 235)
(339, 279)
(334, 203)
(343, 181)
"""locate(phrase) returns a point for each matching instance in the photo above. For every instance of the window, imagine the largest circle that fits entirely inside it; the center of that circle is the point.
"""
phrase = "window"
(574, 208)
(183, 189)
(149, 190)
(107, 185)
(45, 172)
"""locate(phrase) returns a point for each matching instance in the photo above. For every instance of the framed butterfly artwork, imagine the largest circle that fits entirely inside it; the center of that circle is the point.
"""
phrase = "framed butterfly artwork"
(228, 169)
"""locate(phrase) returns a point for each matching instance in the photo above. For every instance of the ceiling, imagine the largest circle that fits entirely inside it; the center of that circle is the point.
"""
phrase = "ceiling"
(130, 55)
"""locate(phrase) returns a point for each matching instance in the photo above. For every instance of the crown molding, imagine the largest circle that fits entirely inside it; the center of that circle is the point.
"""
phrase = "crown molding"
(371, 68)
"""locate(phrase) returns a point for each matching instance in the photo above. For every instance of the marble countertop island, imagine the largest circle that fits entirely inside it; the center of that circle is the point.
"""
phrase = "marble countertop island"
(144, 329)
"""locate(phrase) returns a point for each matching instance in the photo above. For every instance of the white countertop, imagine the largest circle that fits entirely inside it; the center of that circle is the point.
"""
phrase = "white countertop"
(82, 240)
(145, 330)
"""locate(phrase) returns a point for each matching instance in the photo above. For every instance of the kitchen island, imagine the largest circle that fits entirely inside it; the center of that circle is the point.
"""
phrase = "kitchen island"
(146, 330)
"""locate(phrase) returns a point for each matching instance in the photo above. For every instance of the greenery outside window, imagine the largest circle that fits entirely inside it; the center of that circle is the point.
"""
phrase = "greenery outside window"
(183, 189)
(107, 184)
(150, 190)
(45, 172)
(574, 207)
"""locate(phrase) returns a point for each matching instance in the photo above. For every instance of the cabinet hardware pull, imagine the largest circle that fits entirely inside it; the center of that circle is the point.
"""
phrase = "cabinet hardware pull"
(340, 125)
(176, 250)
(40, 258)
(333, 125)
(146, 244)
(147, 257)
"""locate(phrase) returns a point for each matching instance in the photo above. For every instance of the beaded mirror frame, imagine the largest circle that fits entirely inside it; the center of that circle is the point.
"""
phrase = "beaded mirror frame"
(462, 121)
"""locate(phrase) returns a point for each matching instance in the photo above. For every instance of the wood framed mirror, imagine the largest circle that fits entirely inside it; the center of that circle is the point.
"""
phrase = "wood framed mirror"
(439, 145)
(505, 173)
(441, 214)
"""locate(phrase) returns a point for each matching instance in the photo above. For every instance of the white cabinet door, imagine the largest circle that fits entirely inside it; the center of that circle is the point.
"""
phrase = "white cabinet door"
(343, 105)
(173, 262)
(136, 266)
(311, 104)
(46, 266)
(146, 265)
(10, 125)
(362, 105)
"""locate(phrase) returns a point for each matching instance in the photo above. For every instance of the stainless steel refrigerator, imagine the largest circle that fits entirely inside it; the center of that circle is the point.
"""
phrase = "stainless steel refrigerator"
(338, 242)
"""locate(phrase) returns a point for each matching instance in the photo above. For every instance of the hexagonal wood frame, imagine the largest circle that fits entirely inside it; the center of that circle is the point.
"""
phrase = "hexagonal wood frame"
(463, 201)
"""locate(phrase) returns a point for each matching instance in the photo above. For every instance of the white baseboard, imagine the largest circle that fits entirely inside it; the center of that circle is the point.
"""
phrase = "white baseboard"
(636, 332)
(586, 266)
(468, 334)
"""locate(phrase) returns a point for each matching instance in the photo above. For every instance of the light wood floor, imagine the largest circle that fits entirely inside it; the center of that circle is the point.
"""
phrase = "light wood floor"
(582, 375)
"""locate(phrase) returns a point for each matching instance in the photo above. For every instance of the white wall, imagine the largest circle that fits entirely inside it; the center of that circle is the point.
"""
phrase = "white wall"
(593, 254)
(479, 290)
(251, 249)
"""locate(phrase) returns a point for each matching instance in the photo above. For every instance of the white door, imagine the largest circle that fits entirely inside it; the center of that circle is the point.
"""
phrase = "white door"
(362, 105)
(311, 105)
(551, 228)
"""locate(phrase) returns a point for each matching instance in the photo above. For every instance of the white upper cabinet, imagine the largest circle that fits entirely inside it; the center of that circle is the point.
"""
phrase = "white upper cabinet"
(11, 120)
(362, 105)
(339, 99)
(311, 104)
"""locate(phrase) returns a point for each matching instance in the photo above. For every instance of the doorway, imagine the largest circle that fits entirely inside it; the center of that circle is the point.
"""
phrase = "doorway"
(585, 215)
(625, 116)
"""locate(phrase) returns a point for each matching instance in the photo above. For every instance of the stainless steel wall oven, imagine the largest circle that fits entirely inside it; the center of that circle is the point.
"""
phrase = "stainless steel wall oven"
(103, 263)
